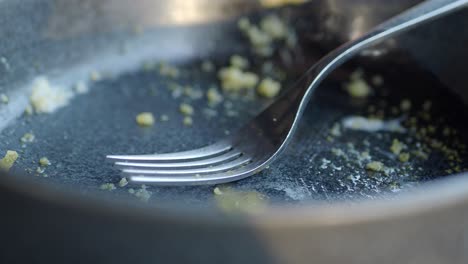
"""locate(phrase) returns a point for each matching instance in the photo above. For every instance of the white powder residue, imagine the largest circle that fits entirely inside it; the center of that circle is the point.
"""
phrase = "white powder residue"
(46, 98)
(372, 125)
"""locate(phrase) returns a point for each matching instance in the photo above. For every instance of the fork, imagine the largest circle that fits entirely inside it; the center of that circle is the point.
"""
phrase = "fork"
(264, 137)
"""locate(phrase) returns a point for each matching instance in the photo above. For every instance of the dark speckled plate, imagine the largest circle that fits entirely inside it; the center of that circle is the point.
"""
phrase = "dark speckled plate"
(317, 166)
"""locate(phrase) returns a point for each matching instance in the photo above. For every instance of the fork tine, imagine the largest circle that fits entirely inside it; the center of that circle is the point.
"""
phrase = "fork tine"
(188, 164)
(204, 152)
(219, 168)
(215, 178)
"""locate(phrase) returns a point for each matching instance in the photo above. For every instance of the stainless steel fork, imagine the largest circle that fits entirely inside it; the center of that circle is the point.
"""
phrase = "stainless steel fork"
(262, 139)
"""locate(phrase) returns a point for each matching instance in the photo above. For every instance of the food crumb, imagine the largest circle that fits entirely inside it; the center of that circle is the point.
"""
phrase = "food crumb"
(274, 27)
(239, 62)
(44, 162)
(4, 99)
(28, 138)
(268, 88)
(143, 194)
(187, 121)
(123, 182)
(40, 170)
(234, 79)
(375, 166)
(131, 191)
(404, 157)
(107, 186)
(145, 119)
(46, 98)
(186, 109)
(217, 191)
(8, 160)
(168, 70)
(336, 130)
(397, 146)
(358, 87)
(233, 201)
(214, 97)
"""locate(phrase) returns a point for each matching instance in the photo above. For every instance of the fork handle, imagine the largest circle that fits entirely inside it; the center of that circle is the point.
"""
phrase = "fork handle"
(290, 106)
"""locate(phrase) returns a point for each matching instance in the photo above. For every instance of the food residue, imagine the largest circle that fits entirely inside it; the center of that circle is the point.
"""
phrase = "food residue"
(397, 147)
(187, 121)
(7, 162)
(234, 79)
(232, 201)
(186, 109)
(239, 62)
(44, 162)
(357, 87)
(269, 88)
(375, 166)
(28, 138)
(145, 119)
(213, 96)
(46, 98)
(107, 187)
(143, 194)
(123, 182)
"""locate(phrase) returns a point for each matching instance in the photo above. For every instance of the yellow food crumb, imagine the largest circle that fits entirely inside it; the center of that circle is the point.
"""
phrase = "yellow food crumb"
(268, 88)
(274, 26)
(145, 119)
(375, 166)
(404, 157)
(358, 87)
(214, 97)
(123, 182)
(107, 186)
(397, 147)
(232, 201)
(46, 98)
(44, 162)
(28, 138)
(239, 62)
(405, 105)
(186, 109)
(7, 162)
(4, 99)
(188, 121)
(278, 3)
(234, 80)
(258, 38)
